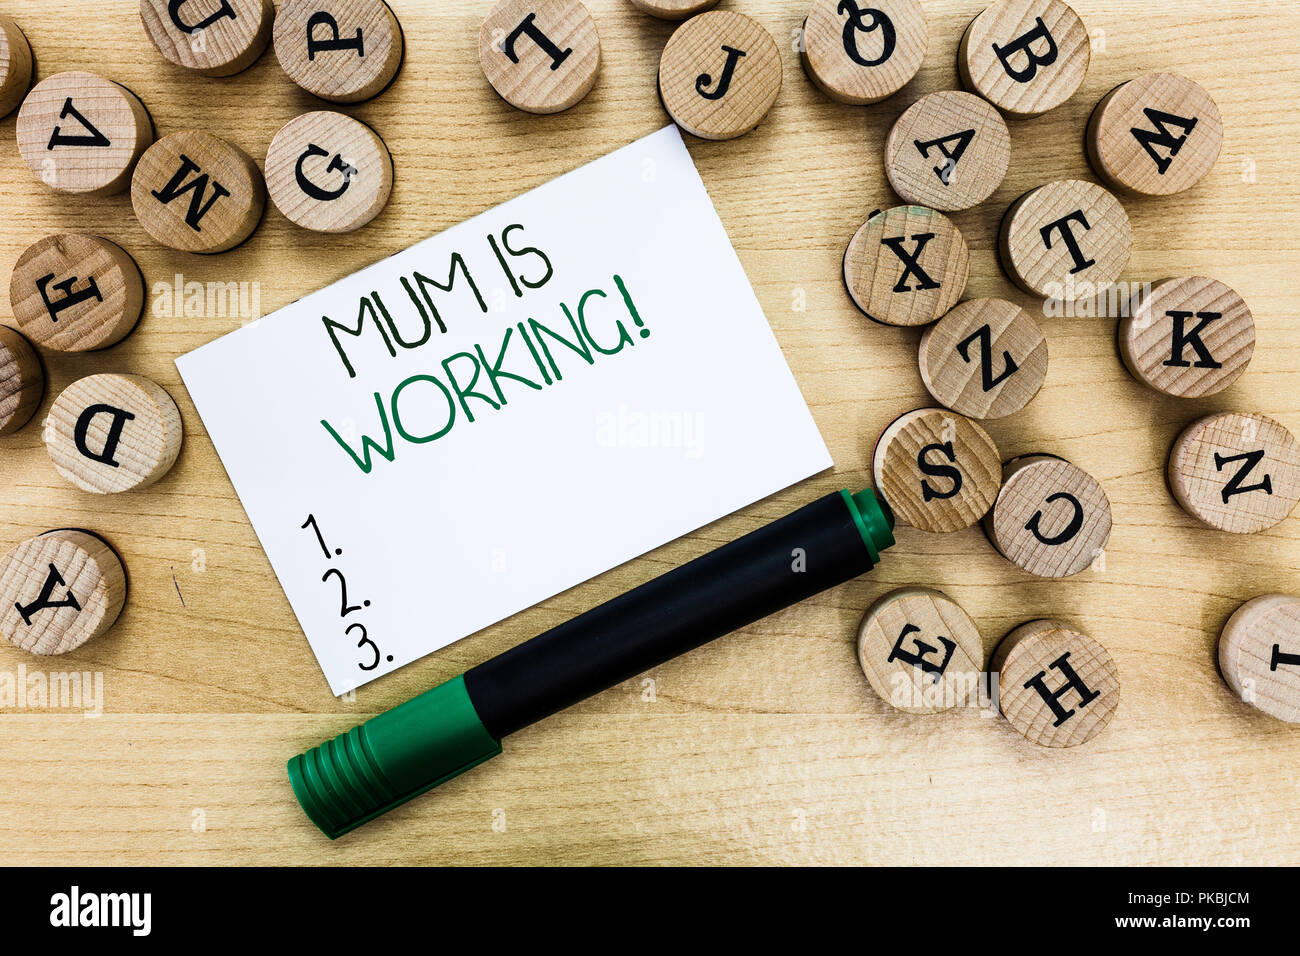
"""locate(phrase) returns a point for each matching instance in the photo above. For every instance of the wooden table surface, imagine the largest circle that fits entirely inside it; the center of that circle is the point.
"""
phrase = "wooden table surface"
(767, 746)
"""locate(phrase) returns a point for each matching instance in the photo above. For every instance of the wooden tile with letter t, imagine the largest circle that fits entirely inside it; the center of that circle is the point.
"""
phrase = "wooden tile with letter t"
(1259, 655)
(344, 51)
(211, 37)
(1024, 56)
(949, 151)
(862, 51)
(15, 65)
(22, 380)
(541, 56)
(906, 266)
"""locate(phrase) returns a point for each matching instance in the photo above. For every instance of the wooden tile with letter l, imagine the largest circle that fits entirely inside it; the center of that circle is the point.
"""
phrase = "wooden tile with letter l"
(1056, 685)
(938, 471)
(1259, 655)
(328, 172)
(72, 292)
(719, 74)
(15, 65)
(541, 56)
(673, 9)
(1051, 517)
(862, 51)
(1155, 135)
(194, 192)
(1188, 337)
(1065, 240)
(986, 358)
(210, 37)
(1024, 56)
(920, 651)
(111, 433)
(1236, 471)
(59, 590)
(949, 151)
(22, 380)
(344, 51)
(906, 266)
(80, 133)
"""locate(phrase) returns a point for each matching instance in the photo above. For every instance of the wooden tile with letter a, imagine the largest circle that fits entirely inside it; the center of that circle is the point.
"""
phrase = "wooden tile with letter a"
(15, 65)
(1056, 686)
(344, 51)
(1155, 135)
(197, 193)
(719, 74)
(906, 266)
(211, 37)
(1024, 56)
(920, 651)
(71, 292)
(674, 9)
(949, 150)
(109, 433)
(939, 471)
(59, 590)
(1259, 654)
(328, 172)
(22, 380)
(1236, 471)
(80, 133)
(541, 56)
(862, 51)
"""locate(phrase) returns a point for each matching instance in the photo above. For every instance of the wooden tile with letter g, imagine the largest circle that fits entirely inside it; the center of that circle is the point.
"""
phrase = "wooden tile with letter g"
(1025, 56)
(862, 51)
(344, 51)
(1259, 655)
(211, 38)
(673, 9)
(949, 151)
(15, 65)
(541, 56)
(22, 380)
(906, 266)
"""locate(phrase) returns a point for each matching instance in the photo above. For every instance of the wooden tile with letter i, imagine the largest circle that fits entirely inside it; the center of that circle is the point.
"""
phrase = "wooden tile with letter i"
(986, 358)
(22, 380)
(1259, 655)
(15, 65)
(673, 9)
(719, 74)
(949, 151)
(344, 51)
(328, 172)
(862, 51)
(541, 56)
(1025, 56)
(211, 38)
(59, 590)
(1236, 471)
(906, 266)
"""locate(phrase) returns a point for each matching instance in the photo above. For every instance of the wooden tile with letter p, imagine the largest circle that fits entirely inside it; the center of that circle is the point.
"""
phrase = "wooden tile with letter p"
(1025, 56)
(15, 65)
(541, 56)
(344, 51)
(211, 38)
(862, 51)
(1259, 655)
(22, 380)
(906, 266)
(949, 151)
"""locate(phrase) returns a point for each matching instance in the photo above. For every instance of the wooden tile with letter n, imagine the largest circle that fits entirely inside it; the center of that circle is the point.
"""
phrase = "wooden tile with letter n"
(541, 56)
(344, 51)
(949, 151)
(673, 9)
(15, 65)
(1025, 56)
(22, 380)
(1259, 655)
(211, 37)
(906, 266)
(862, 51)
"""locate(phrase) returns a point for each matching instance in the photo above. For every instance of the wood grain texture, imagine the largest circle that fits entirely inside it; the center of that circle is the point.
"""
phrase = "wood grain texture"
(22, 380)
(15, 65)
(767, 746)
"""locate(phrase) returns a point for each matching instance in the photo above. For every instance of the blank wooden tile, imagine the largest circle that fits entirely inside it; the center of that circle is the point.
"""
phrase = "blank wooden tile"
(906, 266)
(949, 151)
(673, 9)
(212, 39)
(15, 65)
(1025, 56)
(345, 51)
(862, 51)
(22, 380)
(1259, 655)
(541, 56)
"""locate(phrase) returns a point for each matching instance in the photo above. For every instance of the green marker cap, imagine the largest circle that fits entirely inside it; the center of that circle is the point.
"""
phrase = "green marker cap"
(874, 520)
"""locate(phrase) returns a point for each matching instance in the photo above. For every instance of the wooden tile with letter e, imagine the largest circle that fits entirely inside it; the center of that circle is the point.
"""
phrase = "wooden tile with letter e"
(862, 51)
(197, 193)
(22, 380)
(673, 9)
(949, 150)
(15, 65)
(920, 651)
(1155, 135)
(344, 51)
(71, 292)
(328, 172)
(1259, 654)
(1024, 56)
(59, 590)
(906, 266)
(986, 358)
(1056, 686)
(938, 471)
(211, 38)
(541, 56)
(719, 74)
(1236, 471)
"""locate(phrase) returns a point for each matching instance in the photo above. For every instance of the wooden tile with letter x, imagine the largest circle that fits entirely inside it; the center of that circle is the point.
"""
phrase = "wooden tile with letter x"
(862, 51)
(1236, 471)
(328, 172)
(906, 266)
(15, 65)
(920, 651)
(541, 56)
(719, 74)
(949, 150)
(1024, 56)
(1259, 654)
(59, 590)
(1056, 686)
(674, 9)
(71, 292)
(1155, 135)
(80, 133)
(211, 38)
(344, 51)
(22, 380)
(938, 471)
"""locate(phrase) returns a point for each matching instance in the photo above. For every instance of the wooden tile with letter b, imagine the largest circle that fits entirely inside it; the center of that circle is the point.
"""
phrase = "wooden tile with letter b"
(906, 266)
(15, 65)
(1025, 56)
(862, 51)
(344, 51)
(541, 56)
(211, 37)
(328, 172)
(22, 380)
(673, 9)
(949, 151)
(1259, 655)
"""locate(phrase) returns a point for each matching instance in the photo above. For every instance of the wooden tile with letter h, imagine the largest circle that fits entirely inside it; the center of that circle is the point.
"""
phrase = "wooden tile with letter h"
(344, 51)
(1025, 56)
(862, 51)
(541, 56)
(210, 37)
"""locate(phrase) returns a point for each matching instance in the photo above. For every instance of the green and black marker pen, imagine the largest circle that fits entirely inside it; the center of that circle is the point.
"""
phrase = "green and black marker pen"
(457, 725)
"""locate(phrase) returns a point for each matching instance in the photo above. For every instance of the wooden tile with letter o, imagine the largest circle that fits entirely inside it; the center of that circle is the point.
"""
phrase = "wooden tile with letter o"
(1188, 338)
(673, 9)
(1051, 517)
(197, 193)
(111, 433)
(22, 380)
(328, 172)
(1065, 240)
(1056, 686)
(719, 74)
(80, 133)
(15, 65)
(906, 266)
(938, 471)
(59, 590)
(72, 292)
(949, 151)
(541, 56)
(986, 358)
(210, 38)
(1155, 135)
(1025, 56)
(344, 51)
(862, 51)
(1259, 655)
(920, 651)
(1236, 471)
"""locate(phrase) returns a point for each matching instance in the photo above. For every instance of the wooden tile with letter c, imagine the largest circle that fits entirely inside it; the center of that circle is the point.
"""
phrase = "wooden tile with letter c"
(986, 358)
(949, 151)
(212, 39)
(1024, 56)
(673, 9)
(862, 51)
(938, 471)
(719, 74)
(344, 51)
(15, 65)
(906, 266)
(328, 172)
(22, 380)
(1259, 655)
(541, 56)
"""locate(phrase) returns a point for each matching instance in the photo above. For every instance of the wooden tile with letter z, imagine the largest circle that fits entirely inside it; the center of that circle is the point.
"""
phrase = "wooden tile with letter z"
(949, 150)
(906, 266)
(211, 37)
(344, 51)
(541, 56)
(862, 51)
(1025, 56)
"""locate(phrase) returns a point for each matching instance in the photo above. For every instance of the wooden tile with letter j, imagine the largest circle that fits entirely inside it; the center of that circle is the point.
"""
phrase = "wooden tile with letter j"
(862, 51)
(1259, 655)
(541, 56)
(344, 51)
(211, 38)
(15, 65)
(906, 266)
(22, 380)
(1025, 56)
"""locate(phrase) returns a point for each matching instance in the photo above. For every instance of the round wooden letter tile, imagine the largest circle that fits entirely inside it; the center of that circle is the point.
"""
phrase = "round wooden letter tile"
(1259, 655)
(22, 381)
(986, 358)
(861, 51)
(949, 150)
(541, 56)
(15, 65)
(328, 172)
(1024, 56)
(211, 38)
(345, 51)
(673, 9)
(906, 266)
